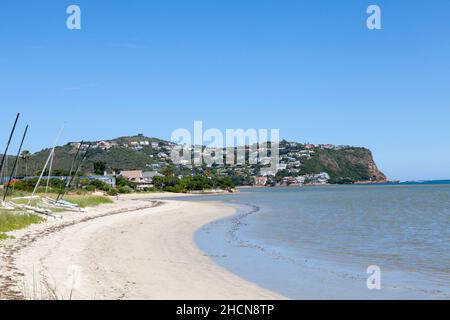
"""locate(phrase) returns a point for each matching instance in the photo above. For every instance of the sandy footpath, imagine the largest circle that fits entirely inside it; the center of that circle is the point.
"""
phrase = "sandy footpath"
(133, 249)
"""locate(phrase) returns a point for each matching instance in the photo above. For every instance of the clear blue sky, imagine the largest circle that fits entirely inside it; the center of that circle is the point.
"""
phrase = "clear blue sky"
(310, 68)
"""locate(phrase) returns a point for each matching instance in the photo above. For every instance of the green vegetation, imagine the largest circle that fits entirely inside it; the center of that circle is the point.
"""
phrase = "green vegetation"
(85, 201)
(99, 167)
(282, 174)
(10, 221)
(25, 187)
(28, 185)
(192, 183)
(344, 166)
(94, 185)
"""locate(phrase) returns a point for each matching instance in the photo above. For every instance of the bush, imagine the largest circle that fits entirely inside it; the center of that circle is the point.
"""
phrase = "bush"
(192, 183)
(29, 184)
(113, 192)
(90, 188)
(174, 189)
(125, 190)
(122, 182)
(99, 185)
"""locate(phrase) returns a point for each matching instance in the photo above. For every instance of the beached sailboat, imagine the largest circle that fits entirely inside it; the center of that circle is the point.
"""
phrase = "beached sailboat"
(57, 203)
(33, 196)
(32, 209)
(10, 205)
(60, 202)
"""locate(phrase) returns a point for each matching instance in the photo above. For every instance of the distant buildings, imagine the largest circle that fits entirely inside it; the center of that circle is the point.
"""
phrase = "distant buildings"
(163, 155)
(318, 179)
(292, 156)
(260, 181)
(291, 182)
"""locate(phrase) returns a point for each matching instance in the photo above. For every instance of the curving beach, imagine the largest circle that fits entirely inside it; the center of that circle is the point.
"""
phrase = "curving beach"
(133, 249)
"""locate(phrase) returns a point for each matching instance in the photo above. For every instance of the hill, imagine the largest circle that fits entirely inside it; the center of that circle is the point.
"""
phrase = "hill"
(343, 164)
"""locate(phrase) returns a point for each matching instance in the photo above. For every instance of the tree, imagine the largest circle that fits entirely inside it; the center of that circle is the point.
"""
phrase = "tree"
(168, 171)
(158, 182)
(25, 156)
(99, 167)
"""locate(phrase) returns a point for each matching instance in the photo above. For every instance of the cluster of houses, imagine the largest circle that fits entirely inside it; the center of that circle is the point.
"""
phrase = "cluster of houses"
(164, 147)
(144, 179)
(291, 156)
(292, 181)
(326, 146)
(316, 179)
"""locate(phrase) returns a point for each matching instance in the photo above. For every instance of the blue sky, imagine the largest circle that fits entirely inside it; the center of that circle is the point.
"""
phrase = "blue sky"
(310, 68)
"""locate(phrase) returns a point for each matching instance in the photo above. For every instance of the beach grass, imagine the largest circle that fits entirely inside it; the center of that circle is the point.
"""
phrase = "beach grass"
(10, 221)
(85, 201)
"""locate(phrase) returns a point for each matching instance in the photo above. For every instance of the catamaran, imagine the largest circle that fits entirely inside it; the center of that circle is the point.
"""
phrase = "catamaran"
(48, 163)
(12, 205)
(45, 200)
(60, 202)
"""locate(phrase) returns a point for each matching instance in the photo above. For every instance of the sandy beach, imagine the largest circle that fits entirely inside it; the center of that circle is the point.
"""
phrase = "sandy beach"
(132, 249)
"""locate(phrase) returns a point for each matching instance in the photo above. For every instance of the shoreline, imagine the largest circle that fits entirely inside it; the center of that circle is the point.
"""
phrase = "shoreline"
(302, 272)
(132, 249)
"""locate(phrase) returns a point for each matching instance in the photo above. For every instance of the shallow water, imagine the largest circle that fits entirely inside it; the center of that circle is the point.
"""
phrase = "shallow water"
(317, 242)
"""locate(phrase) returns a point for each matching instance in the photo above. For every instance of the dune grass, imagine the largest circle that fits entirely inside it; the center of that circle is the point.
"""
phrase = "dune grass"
(85, 201)
(10, 221)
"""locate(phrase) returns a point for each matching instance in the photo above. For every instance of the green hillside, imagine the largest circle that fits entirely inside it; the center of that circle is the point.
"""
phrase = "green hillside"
(343, 163)
(355, 164)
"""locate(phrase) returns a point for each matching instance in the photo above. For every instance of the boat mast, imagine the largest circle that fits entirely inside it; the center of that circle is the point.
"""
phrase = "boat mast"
(5, 154)
(15, 164)
(40, 177)
(49, 161)
(52, 157)
(76, 172)
(69, 177)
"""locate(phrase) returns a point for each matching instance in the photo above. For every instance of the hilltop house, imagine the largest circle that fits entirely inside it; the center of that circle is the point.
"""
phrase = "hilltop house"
(163, 155)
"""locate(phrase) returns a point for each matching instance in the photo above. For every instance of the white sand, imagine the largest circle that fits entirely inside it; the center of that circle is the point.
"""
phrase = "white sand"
(141, 254)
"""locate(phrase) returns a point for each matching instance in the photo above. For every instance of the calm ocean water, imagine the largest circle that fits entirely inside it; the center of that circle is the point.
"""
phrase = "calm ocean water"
(317, 242)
